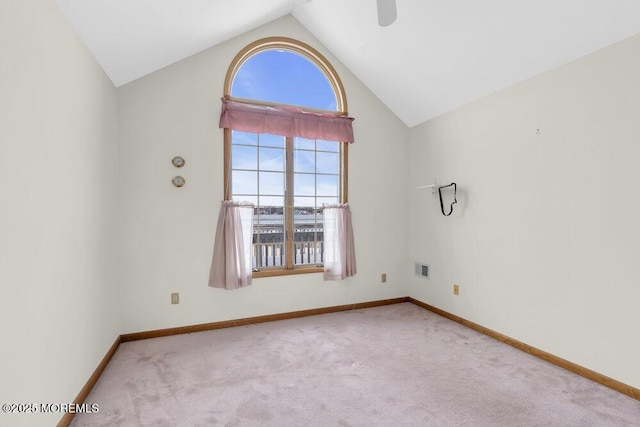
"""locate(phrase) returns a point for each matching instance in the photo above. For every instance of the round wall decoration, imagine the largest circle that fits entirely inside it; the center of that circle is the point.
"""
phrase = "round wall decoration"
(178, 181)
(178, 161)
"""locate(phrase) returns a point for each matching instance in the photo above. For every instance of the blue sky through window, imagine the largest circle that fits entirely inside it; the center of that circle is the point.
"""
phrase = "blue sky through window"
(284, 77)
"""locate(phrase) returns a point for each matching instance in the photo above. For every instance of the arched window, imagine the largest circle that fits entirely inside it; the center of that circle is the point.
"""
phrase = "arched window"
(286, 176)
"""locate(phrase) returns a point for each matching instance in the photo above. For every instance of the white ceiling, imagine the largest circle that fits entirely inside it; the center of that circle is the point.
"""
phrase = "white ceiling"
(438, 55)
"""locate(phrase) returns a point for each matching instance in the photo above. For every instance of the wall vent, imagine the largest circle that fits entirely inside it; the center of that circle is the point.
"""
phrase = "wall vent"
(422, 270)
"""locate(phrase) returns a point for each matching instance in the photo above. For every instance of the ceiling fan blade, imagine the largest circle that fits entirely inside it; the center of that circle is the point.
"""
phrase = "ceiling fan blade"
(387, 13)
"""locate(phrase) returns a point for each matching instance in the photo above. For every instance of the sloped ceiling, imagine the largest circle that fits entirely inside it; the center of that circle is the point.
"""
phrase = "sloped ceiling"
(438, 55)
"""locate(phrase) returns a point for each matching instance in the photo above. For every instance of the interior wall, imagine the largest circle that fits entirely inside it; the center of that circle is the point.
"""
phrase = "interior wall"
(544, 238)
(58, 210)
(169, 231)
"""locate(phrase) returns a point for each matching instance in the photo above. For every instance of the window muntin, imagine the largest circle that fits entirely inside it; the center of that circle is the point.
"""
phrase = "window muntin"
(287, 179)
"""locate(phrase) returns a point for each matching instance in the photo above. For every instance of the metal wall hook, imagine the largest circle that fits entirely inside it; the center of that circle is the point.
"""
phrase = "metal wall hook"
(455, 200)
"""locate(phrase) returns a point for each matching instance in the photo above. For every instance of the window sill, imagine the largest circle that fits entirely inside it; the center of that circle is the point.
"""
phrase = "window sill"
(282, 272)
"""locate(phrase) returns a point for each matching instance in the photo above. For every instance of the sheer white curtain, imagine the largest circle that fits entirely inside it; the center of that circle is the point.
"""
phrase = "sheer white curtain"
(339, 248)
(231, 262)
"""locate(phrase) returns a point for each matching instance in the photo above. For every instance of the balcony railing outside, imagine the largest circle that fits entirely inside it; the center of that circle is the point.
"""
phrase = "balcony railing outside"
(272, 254)
(269, 250)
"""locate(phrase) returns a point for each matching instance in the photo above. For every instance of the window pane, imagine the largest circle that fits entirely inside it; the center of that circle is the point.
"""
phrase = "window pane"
(304, 161)
(327, 201)
(328, 163)
(272, 159)
(272, 183)
(308, 252)
(244, 182)
(243, 157)
(268, 235)
(304, 184)
(304, 205)
(328, 185)
(244, 138)
(307, 233)
(328, 146)
(268, 140)
(244, 198)
(304, 144)
(271, 204)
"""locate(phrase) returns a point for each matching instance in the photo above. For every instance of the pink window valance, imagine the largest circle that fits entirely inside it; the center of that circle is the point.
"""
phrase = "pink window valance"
(285, 121)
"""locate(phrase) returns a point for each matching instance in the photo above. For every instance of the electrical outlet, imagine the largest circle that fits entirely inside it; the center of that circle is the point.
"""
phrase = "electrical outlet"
(175, 298)
(383, 278)
(456, 289)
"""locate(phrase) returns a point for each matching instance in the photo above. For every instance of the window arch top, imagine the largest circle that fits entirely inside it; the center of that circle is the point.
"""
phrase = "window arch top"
(285, 71)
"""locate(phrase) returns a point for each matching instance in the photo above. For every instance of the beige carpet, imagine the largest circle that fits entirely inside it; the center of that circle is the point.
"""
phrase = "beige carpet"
(396, 365)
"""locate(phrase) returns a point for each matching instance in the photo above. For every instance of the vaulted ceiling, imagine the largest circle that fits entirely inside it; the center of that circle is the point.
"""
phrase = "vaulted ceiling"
(438, 55)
